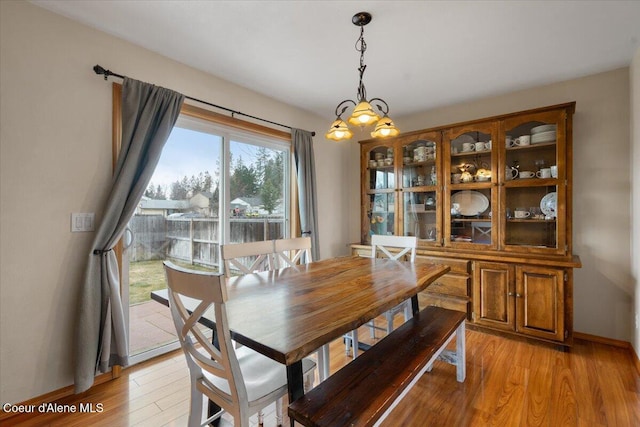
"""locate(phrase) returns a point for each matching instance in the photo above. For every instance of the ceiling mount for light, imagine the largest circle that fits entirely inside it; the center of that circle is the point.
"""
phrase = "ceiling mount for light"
(363, 114)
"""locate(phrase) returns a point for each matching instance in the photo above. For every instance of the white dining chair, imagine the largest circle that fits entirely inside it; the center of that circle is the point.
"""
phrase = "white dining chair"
(292, 252)
(248, 257)
(240, 381)
(395, 248)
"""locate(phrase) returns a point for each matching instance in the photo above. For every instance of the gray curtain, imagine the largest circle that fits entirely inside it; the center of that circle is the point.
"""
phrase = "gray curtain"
(148, 115)
(307, 195)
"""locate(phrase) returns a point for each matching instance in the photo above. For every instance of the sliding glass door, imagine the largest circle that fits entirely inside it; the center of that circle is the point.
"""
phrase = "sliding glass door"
(212, 185)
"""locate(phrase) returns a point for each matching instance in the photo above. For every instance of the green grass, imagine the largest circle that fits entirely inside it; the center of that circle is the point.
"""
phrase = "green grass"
(148, 276)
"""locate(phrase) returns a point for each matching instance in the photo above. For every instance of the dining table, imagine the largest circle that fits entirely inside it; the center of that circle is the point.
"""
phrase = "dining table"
(289, 313)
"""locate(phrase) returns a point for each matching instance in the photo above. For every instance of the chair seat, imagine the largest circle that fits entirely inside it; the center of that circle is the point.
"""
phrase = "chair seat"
(261, 375)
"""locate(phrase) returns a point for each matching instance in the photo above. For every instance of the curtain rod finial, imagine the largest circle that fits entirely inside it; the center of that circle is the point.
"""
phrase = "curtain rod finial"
(100, 70)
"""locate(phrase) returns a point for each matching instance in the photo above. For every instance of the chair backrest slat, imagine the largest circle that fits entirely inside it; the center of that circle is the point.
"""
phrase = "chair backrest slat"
(290, 252)
(405, 244)
(248, 257)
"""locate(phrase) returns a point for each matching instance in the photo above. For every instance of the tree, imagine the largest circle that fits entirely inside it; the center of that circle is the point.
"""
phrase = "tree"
(160, 193)
(270, 195)
(271, 188)
(150, 192)
(186, 187)
(262, 159)
(243, 181)
(180, 189)
(155, 192)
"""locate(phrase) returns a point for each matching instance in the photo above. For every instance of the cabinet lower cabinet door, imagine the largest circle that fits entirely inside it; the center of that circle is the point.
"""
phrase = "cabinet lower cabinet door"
(493, 305)
(540, 302)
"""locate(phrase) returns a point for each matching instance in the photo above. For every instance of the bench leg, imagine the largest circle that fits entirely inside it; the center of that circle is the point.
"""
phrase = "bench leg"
(461, 354)
(457, 358)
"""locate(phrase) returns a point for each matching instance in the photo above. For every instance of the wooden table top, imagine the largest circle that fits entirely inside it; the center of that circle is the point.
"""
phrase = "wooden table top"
(287, 314)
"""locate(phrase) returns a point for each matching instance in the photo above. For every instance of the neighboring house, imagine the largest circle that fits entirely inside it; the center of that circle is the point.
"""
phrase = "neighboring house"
(253, 206)
(165, 208)
(199, 203)
(246, 205)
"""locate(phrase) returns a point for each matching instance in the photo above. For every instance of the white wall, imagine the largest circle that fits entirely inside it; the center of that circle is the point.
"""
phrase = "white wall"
(635, 185)
(604, 286)
(55, 154)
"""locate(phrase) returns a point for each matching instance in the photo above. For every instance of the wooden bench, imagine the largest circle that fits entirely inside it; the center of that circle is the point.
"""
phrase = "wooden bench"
(368, 388)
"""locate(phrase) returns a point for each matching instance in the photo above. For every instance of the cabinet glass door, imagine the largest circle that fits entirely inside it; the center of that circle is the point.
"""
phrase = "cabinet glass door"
(420, 215)
(420, 191)
(471, 178)
(534, 183)
(380, 187)
(382, 216)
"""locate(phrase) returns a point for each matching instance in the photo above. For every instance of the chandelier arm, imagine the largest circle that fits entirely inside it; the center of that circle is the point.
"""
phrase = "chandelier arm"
(346, 101)
(384, 108)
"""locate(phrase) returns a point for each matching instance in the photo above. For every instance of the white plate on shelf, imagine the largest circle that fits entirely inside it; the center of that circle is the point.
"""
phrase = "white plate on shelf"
(549, 204)
(543, 128)
(543, 137)
(471, 203)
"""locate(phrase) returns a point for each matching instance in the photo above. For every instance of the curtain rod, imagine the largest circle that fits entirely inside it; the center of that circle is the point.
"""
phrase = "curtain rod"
(106, 73)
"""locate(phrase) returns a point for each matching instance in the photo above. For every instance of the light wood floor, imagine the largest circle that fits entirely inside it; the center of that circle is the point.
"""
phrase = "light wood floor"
(509, 383)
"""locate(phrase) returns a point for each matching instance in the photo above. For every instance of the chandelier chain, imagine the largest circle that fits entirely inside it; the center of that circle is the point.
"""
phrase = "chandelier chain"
(361, 46)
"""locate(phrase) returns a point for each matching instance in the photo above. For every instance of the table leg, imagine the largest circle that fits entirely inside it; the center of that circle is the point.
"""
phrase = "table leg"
(295, 382)
(415, 308)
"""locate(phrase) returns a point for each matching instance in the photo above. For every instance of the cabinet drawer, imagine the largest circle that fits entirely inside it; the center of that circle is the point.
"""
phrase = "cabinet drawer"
(458, 304)
(450, 284)
(459, 266)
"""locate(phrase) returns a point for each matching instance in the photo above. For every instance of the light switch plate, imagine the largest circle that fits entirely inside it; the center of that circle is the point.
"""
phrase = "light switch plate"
(82, 222)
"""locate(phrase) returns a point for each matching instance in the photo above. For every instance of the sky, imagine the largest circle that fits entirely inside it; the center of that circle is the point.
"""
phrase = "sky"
(186, 153)
(189, 152)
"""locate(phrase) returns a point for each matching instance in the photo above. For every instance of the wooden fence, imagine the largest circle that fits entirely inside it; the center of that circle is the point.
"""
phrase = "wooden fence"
(194, 240)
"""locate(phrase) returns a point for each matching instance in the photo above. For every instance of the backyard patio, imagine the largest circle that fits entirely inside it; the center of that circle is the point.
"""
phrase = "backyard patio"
(150, 326)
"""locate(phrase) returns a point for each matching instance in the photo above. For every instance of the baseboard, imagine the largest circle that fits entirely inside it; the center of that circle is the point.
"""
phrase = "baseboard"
(54, 396)
(609, 341)
(601, 340)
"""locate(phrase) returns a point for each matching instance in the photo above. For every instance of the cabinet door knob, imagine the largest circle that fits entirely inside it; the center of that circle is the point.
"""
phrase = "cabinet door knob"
(510, 294)
(518, 296)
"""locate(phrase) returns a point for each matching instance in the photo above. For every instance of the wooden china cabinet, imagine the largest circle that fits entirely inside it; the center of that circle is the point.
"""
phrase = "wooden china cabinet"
(491, 198)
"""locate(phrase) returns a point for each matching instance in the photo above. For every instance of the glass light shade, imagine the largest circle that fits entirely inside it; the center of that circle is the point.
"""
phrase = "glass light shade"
(385, 128)
(363, 115)
(339, 131)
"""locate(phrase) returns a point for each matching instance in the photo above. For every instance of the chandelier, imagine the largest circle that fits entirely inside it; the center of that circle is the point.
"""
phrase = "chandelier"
(363, 114)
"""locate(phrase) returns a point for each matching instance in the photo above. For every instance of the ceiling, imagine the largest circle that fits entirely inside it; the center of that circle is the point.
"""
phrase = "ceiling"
(420, 54)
